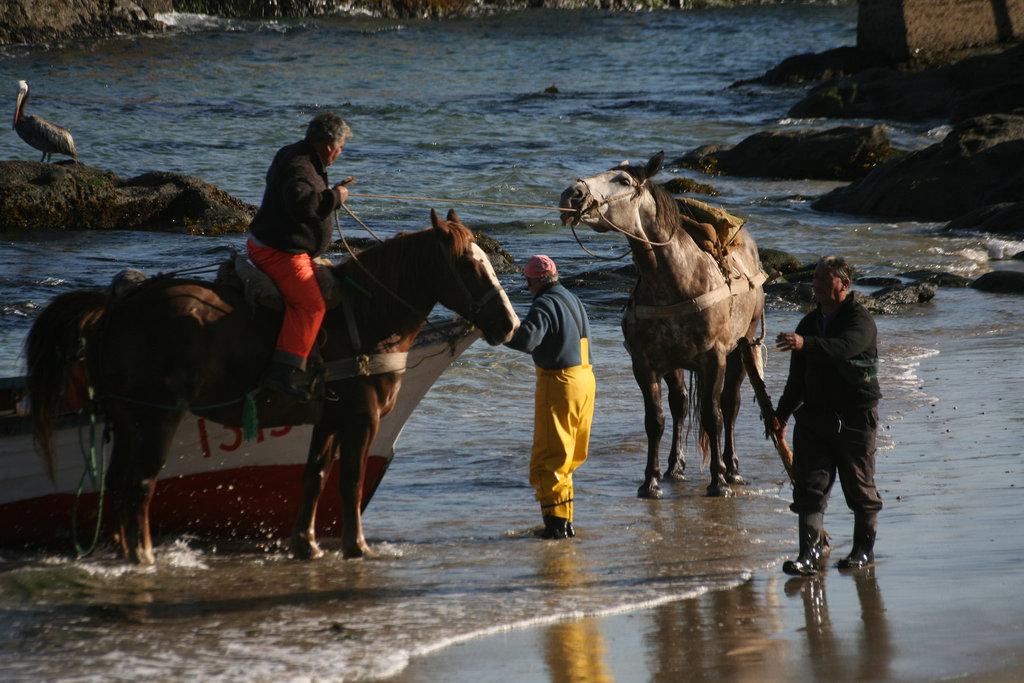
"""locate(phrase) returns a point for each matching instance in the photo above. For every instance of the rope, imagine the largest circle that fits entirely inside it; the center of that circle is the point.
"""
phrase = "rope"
(98, 478)
(458, 201)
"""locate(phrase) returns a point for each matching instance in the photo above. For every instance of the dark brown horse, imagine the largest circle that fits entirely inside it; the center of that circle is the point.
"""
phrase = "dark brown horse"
(687, 312)
(173, 345)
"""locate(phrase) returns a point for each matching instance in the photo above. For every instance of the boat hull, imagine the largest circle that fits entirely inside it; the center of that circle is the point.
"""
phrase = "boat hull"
(214, 483)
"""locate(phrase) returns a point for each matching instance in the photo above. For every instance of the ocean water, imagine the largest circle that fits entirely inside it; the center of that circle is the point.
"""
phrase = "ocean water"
(453, 110)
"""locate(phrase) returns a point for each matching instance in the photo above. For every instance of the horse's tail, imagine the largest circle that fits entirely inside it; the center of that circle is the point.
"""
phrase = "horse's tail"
(696, 412)
(53, 349)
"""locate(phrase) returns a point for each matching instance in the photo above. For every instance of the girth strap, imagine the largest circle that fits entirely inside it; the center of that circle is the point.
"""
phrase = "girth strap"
(364, 365)
(700, 303)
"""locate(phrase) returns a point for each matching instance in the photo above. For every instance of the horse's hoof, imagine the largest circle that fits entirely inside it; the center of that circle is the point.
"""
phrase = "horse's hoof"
(357, 552)
(719, 491)
(675, 474)
(304, 549)
(735, 480)
(650, 492)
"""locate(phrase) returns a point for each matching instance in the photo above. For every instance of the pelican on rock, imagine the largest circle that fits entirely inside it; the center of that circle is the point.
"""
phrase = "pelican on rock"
(40, 133)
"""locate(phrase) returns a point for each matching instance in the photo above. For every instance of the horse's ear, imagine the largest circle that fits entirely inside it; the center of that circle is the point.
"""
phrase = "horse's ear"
(654, 165)
(452, 217)
(435, 220)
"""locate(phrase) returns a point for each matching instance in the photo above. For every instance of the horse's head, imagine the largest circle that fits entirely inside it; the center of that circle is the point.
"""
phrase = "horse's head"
(618, 199)
(469, 286)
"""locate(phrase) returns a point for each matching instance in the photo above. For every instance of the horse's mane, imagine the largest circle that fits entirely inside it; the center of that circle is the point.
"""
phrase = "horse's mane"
(667, 219)
(406, 256)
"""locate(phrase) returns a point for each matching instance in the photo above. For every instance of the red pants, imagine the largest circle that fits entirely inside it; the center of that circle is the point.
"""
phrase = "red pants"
(304, 304)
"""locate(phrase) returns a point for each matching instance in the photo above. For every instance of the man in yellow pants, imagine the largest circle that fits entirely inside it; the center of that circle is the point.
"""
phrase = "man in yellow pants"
(557, 334)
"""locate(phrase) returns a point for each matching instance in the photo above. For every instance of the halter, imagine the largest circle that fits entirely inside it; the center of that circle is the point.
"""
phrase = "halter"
(475, 304)
(591, 205)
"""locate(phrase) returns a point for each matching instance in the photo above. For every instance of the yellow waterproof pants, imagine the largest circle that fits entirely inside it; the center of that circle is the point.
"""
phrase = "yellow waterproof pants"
(563, 411)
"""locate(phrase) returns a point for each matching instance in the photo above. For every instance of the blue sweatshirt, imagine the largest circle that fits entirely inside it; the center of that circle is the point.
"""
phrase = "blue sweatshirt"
(552, 329)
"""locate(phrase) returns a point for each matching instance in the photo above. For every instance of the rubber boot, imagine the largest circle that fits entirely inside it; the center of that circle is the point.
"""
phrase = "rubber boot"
(865, 526)
(555, 527)
(808, 563)
(286, 374)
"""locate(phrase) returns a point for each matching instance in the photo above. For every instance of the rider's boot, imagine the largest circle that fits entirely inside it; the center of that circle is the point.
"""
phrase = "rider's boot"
(865, 526)
(287, 375)
(808, 563)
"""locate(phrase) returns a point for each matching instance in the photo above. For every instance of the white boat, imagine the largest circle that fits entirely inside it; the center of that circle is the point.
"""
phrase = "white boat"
(214, 482)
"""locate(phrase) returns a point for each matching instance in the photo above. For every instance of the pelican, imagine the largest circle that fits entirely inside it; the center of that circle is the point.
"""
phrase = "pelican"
(40, 133)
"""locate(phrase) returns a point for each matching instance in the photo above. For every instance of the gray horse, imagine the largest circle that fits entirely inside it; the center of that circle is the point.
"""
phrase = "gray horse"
(687, 312)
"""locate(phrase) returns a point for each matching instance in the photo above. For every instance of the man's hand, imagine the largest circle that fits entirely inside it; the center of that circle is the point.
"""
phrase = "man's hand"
(789, 341)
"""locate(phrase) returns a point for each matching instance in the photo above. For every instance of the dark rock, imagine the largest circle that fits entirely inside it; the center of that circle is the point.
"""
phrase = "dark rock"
(48, 21)
(1000, 282)
(688, 186)
(775, 261)
(879, 281)
(842, 153)
(938, 278)
(978, 84)
(806, 68)
(976, 165)
(73, 196)
(1001, 219)
(904, 294)
(789, 294)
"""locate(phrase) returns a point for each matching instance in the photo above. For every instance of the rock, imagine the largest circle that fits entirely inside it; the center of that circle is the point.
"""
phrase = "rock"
(1000, 282)
(980, 84)
(890, 299)
(806, 68)
(775, 261)
(842, 153)
(938, 278)
(47, 21)
(73, 196)
(1004, 218)
(978, 164)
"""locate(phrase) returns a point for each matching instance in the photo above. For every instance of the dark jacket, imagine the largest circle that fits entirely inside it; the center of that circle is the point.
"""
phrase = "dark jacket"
(552, 330)
(837, 369)
(296, 214)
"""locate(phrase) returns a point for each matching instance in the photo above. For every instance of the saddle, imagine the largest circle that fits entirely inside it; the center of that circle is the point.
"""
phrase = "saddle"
(241, 273)
(716, 231)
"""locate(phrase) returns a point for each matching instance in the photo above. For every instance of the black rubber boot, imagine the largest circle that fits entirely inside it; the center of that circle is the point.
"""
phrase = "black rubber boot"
(286, 379)
(555, 527)
(865, 526)
(808, 563)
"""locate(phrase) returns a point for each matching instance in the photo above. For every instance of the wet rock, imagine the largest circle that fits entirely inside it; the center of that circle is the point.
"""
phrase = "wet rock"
(842, 153)
(73, 196)
(1004, 218)
(985, 83)
(775, 261)
(938, 278)
(811, 67)
(47, 21)
(1000, 282)
(976, 165)
(890, 300)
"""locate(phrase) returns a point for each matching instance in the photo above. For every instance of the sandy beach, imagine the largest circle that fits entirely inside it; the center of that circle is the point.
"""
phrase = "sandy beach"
(943, 601)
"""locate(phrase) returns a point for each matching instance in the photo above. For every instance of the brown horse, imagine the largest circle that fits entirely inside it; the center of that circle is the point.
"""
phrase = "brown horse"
(687, 312)
(174, 345)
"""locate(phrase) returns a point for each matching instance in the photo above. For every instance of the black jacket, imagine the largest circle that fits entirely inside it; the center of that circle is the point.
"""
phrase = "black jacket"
(295, 216)
(837, 369)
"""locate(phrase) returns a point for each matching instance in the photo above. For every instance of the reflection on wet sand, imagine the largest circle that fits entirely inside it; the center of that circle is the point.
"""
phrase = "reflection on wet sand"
(574, 650)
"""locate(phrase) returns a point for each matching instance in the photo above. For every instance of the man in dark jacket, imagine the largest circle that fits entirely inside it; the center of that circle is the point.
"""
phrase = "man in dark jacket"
(292, 226)
(556, 332)
(832, 390)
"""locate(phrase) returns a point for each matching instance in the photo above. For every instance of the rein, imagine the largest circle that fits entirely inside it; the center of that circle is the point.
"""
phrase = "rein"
(592, 204)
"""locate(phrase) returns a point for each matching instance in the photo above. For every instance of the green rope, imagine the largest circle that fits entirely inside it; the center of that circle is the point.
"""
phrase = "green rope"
(250, 419)
(98, 477)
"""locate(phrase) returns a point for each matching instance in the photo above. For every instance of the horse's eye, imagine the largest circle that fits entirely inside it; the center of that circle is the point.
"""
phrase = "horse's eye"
(623, 180)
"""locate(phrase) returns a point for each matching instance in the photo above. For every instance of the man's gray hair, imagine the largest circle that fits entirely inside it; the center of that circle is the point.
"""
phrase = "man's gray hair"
(327, 128)
(838, 266)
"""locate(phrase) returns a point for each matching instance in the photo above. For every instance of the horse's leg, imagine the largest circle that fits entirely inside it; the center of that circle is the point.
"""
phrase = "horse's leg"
(730, 402)
(712, 377)
(677, 406)
(323, 451)
(141, 443)
(352, 470)
(654, 424)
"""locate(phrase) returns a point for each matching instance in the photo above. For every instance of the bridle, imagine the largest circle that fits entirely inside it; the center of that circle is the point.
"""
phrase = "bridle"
(591, 205)
(475, 304)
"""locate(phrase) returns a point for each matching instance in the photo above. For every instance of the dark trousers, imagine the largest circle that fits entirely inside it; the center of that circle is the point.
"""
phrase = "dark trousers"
(825, 445)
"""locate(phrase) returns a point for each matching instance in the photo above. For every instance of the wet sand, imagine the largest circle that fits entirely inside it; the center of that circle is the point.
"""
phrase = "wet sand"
(944, 600)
